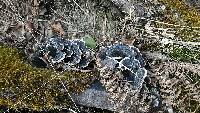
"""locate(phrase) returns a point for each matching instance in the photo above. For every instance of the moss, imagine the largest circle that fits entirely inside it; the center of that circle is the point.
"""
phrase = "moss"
(188, 20)
(22, 86)
(176, 52)
(155, 46)
(185, 54)
(189, 15)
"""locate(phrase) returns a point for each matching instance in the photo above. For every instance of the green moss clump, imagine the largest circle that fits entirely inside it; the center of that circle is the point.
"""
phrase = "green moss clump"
(22, 86)
(154, 46)
(176, 52)
(187, 24)
(185, 54)
(189, 15)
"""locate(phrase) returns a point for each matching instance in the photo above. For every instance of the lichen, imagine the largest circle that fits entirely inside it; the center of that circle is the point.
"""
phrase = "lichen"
(22, 86)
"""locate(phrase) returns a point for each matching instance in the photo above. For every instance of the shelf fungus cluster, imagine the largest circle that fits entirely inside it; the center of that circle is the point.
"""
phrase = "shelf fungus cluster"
(121, 65)
(62, 54)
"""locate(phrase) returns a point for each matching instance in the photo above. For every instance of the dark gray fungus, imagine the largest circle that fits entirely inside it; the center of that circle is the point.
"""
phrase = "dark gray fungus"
(126, 58)
(66, 53)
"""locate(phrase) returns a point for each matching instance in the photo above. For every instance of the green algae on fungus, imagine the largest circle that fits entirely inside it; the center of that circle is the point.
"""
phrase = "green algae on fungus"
(89, 41)
(22, 86)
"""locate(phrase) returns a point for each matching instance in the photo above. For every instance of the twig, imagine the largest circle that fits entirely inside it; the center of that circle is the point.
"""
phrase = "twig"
(80, 7)
(69, 96)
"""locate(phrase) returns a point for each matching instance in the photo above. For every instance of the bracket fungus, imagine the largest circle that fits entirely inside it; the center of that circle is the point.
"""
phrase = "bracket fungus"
(62, 54)
(126, 59)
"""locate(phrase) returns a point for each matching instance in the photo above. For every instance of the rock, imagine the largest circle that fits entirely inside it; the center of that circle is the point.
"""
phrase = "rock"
(95, 96)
